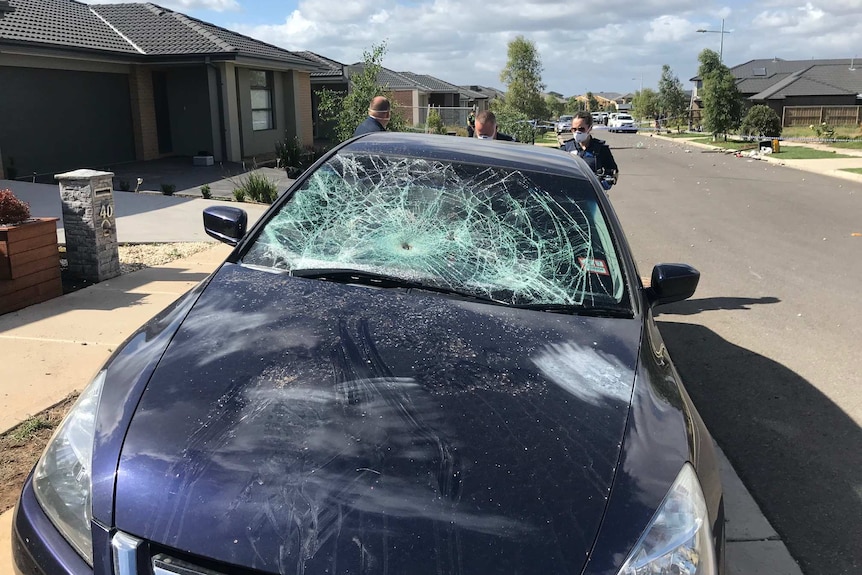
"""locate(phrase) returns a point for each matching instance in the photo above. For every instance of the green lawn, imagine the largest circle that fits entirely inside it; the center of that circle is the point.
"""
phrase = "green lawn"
(854, 170)
(682, 135)
(841, 132)
(728, 145)
(857, 145)
(803, 153)
(786, 153)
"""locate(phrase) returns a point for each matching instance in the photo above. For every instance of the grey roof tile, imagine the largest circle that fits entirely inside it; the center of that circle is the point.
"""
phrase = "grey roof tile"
(329, 67)
(133, 28)
(60, 23)
(431, 83)
(389, 79)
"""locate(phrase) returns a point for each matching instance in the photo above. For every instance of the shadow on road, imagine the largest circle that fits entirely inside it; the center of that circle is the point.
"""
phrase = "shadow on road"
(798, 453)
(695, 306)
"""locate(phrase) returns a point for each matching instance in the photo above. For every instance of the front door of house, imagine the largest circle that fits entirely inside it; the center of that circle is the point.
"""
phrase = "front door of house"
(163, 117)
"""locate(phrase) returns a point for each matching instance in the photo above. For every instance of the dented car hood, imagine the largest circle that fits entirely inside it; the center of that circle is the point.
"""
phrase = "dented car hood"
(303, 426)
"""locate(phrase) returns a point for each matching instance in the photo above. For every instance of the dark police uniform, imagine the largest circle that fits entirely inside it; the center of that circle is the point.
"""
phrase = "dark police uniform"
(369, 125)
(597, 155)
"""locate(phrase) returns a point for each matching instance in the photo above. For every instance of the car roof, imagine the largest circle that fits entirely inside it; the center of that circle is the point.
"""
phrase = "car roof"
(512, 155)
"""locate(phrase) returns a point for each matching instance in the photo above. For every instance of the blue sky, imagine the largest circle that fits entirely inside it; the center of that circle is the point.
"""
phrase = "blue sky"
(615, 46)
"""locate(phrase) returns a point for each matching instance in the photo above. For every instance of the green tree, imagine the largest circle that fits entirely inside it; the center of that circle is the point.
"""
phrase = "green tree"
(574, 105)
(646, 103)
(523, 78)
(592, 103)
(672, 99)
(349, 110)
(722, 102)
(513, 123)
(761, 121)
(554, 106)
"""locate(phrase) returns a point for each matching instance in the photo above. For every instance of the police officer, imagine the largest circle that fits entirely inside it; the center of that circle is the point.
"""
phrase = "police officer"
(485, 127)
(379, 112)
(595, 152)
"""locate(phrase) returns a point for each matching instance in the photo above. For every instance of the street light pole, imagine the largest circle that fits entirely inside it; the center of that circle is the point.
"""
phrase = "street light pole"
(642, 82)
(721, 44)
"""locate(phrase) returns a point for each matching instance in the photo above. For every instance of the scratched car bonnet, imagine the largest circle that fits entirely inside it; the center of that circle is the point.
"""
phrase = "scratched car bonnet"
(341, 422)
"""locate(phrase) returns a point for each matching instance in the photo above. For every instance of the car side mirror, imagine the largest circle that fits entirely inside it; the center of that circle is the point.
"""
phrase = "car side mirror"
(225, 223)
(672, 282)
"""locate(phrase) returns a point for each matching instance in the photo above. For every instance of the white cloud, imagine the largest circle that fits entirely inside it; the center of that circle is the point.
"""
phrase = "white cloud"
(606, 48)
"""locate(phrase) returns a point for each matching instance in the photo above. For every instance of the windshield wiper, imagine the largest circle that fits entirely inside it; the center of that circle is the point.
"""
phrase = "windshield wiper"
(592, 311)
(344, 275)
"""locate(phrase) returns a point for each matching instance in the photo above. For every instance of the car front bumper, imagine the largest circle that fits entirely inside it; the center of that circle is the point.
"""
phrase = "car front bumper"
(37, 546)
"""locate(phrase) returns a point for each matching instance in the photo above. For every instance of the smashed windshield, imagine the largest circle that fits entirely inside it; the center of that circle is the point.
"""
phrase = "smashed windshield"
(523, 238)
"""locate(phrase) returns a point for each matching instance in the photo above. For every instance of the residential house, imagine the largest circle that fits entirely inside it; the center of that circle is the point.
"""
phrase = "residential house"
(331, 76)
(604, 100)
(490, 93)
(100, 84)
(474, 99)
(832, 86)
(416, 93)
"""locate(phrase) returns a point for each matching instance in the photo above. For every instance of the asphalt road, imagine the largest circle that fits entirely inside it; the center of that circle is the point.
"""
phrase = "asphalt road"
(770, 346)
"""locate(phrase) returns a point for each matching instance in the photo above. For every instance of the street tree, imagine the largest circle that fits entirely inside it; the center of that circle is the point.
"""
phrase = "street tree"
(523, 78)
(646, 103)
(672, 99)
(761, 121)
(347, 111)
(722, 102)
(592, 103)
(555, 107)
(574, 105)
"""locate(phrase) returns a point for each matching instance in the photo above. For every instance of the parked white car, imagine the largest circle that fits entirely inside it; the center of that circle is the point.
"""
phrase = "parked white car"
(564, 125)
(622, 123)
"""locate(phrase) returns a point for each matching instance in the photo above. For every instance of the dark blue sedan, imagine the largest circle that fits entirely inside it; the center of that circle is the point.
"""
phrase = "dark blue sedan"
(432, 355)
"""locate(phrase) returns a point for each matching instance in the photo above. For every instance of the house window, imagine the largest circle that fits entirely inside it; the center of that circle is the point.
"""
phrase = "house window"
(261, 100)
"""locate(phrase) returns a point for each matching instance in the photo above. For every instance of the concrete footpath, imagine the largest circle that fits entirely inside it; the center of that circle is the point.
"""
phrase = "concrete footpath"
(51, 349)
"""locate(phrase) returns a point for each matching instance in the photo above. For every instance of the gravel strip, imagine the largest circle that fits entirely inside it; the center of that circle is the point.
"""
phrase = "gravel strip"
(134, 257)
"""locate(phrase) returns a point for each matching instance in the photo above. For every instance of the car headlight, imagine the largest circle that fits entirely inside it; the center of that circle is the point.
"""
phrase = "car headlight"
(679, 537)
(61, 479)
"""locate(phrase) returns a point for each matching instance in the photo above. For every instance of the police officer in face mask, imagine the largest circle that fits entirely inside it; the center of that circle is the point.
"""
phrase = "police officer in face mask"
(485, 127)
(595, 152)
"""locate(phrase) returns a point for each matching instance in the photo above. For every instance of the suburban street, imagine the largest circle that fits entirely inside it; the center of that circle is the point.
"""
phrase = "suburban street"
(769, 346)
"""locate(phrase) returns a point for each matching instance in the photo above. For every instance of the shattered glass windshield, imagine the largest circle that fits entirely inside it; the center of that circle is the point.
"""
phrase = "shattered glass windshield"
(517, 237)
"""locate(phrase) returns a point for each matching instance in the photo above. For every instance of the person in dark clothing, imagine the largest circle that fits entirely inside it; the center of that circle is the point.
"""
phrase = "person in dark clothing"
(471, 124)
(594, 152)
(486, 127)
(378, 117)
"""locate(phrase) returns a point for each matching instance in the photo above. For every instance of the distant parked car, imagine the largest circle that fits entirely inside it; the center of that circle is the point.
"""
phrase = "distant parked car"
(564, 125)
(623, 123)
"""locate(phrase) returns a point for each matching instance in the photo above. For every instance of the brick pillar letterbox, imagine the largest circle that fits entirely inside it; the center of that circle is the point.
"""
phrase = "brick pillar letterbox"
(89, 224)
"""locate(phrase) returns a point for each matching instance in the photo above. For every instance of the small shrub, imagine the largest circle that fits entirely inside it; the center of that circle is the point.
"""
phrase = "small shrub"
(239, 194)
(289, 153)
(205, 192)
(12, 209)
(259, 188)
(824, 130)
(169, 189)
(761, 121)
(124, 186)
(435, 124)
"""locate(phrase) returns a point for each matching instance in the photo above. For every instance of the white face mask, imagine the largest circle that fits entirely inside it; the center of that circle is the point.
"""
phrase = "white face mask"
(581, 137)
(482, 137)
